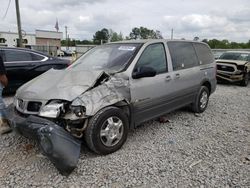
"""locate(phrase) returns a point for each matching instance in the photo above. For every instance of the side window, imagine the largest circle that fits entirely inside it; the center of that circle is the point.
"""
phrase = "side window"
(183, 55)
(17, 55)
(36, 57)
(154, 56)
(248, 58)
(204, 53)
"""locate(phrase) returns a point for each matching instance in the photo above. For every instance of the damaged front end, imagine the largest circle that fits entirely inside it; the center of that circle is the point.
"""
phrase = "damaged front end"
(58, 124)
(57, 144)
(231, 72)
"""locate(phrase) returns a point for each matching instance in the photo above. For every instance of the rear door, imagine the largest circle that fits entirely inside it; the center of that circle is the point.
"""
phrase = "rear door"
(186, 72)
(206, 63)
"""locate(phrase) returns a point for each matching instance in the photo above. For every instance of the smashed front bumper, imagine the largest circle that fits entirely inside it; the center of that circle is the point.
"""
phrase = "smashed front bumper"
(229, 76)
(57, 144)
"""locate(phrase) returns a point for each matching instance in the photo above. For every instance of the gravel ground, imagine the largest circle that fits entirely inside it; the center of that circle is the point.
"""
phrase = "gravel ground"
(207, 150)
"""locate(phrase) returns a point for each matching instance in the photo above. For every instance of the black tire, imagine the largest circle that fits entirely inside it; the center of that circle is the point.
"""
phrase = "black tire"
(198, 106)
(92, 134)
(245, 80)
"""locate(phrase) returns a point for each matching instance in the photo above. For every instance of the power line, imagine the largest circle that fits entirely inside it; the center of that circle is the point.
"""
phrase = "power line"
(6, 10)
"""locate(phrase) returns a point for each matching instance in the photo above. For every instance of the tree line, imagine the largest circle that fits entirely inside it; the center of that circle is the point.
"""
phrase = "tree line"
(225, 44)
(108, 35)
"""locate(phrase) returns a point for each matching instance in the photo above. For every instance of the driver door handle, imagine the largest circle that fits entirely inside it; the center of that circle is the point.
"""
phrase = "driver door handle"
(177, 75)
(168, 78)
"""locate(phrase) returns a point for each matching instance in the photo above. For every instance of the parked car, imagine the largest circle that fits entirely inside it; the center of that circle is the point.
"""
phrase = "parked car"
(24, 64)
(68, 52)
(109, 90)
(234, 66)
(60, 53)
(217, 54)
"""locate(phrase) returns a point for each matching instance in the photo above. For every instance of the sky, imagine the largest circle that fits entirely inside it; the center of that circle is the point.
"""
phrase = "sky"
(220, 19)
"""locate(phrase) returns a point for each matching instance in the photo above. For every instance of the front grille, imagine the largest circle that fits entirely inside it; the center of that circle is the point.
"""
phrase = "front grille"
(34, 106)
(28, 107)
(225, 68)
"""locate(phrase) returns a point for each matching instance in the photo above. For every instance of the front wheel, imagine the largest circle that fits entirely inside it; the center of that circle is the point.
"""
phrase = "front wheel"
(245, 80)
(107, 130)
(201, 101)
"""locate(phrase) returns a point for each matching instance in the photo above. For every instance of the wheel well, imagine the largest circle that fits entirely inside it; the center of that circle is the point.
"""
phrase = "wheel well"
(124, 106)
(208, 85)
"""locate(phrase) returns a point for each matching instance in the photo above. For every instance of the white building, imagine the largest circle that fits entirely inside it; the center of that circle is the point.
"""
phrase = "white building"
(48, 38)
(10, 39)
(40, 38)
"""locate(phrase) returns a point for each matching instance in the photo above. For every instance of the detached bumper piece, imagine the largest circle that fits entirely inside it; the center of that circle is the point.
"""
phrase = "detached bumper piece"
(57, 144)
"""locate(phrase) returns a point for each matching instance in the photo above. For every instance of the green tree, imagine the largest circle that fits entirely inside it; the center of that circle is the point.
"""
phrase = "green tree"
(144, 33)
(226, 44)
(158, 34)
(135, 34)
(116, 37)
(101, 36)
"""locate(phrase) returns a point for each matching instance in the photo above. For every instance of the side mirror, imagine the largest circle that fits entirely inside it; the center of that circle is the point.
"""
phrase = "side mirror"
(143, 71)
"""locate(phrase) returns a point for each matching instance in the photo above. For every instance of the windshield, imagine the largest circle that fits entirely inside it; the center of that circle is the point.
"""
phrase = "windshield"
(235, 56)
(109, 57)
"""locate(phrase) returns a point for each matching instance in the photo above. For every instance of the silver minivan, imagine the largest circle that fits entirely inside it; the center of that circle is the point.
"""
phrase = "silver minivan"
(109, 90)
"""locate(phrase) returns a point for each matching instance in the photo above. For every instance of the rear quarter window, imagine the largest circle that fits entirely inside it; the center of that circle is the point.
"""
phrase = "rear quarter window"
(17, 55)
(204, 53)
(182, 54)
(36, 57)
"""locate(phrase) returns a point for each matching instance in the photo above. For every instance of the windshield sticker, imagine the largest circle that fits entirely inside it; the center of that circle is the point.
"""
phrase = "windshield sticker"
(127, 48)
(244, 55)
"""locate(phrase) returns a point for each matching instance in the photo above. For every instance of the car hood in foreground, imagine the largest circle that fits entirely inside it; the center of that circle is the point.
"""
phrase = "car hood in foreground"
(59, 84)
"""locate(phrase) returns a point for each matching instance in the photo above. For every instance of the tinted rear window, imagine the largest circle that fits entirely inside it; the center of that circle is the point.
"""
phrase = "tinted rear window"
(36, 57)
(182, 54)
(204, 53)
(17, 55)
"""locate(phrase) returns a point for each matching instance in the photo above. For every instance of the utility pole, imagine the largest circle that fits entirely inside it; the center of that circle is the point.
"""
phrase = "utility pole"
(20, 42)
(68, 41)
(172, 34)
(66, 34)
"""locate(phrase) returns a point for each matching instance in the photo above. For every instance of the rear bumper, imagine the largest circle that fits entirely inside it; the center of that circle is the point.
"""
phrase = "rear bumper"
(57, 144)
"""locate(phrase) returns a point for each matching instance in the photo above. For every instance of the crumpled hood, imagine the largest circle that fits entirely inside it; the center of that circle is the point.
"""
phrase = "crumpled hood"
(59, 84)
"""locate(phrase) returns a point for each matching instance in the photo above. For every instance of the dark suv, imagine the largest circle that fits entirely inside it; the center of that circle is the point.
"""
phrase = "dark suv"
(23, 65)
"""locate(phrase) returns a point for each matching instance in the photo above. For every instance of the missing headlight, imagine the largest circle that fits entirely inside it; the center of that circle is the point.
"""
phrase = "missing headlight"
(79, 111)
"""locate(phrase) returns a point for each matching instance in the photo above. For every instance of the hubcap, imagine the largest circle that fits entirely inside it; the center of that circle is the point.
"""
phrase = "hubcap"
(111, 131)
(203, 99)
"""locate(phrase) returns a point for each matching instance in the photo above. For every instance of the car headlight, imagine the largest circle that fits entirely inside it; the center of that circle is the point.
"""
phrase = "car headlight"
(52, 110)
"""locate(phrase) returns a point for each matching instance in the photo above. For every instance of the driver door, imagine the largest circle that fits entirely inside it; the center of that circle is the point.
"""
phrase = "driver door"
(148, 94)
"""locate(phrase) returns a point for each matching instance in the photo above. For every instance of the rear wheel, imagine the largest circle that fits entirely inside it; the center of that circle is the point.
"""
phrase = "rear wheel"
(245, 80)
(107, 130)
(201, 101)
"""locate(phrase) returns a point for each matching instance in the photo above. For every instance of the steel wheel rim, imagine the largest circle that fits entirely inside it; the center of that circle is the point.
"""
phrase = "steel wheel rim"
(111, 131)
(203, 99)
